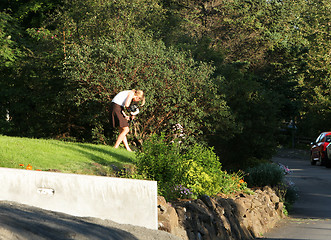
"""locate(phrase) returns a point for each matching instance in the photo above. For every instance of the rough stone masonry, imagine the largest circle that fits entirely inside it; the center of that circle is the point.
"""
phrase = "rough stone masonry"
(242, 216)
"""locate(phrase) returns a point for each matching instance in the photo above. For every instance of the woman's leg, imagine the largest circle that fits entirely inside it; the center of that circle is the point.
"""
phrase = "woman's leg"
(122, 137)
(125, 142)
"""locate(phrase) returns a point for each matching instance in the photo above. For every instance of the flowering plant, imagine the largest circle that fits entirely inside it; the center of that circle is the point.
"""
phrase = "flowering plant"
(28, 167)
(183, 192)
(285, 169)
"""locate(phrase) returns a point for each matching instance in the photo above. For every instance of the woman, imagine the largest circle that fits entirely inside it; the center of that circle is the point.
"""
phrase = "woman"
(118, 117)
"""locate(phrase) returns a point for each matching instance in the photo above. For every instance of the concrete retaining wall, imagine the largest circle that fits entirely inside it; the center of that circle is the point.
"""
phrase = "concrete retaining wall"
(121, 200)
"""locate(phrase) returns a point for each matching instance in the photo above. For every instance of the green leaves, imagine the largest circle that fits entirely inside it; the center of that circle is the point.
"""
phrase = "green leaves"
(178, 89)
(265, 174)
(196, 170)
(272, 58)
(9, 49)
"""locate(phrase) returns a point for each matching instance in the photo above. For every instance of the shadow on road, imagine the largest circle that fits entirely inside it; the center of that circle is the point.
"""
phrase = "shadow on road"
(279, 238)
(22, 222)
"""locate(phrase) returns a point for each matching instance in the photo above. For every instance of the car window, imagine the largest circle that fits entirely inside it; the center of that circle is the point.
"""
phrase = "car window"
(320, 137)
(328, 138)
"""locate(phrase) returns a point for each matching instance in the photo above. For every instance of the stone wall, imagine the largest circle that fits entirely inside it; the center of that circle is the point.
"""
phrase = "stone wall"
(242, 216)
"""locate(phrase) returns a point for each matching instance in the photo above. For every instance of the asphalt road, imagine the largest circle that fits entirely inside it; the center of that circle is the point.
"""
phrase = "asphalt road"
(310, 217)
(22, 222)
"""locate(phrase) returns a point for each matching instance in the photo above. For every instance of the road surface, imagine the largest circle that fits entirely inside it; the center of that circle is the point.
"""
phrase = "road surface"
(310, 217)
(22, 222)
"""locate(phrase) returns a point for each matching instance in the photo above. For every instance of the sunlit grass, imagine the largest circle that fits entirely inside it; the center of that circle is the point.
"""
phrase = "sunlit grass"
(54, 155)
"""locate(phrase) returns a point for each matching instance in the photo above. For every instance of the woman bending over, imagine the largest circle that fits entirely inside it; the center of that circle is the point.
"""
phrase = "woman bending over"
(118, 117)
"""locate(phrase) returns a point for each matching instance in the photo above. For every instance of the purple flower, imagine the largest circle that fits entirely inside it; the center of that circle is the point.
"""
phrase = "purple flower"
(182, 191)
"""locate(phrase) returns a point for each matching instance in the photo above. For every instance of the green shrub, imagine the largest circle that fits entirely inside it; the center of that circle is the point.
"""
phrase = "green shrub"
(159, 161)
(290, 197)
(265, 174)
(288, 194)
(201, 171)
(192, 173)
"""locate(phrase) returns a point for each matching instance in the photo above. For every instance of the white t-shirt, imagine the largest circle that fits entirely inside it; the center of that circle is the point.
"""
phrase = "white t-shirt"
(121, 97)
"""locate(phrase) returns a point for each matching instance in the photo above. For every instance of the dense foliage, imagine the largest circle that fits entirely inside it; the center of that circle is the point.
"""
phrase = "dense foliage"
(186, 173)
(179, 90)
(265, 174)
(228, 73)
(273, 175)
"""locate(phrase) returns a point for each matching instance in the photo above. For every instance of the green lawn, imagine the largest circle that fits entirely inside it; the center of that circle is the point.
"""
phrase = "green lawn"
(68, 157)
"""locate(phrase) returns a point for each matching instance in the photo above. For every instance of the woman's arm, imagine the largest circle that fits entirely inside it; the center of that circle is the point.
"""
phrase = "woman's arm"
(126, 116)
(129, 99)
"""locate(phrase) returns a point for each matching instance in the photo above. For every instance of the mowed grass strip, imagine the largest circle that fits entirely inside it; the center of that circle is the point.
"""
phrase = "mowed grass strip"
(68, 157)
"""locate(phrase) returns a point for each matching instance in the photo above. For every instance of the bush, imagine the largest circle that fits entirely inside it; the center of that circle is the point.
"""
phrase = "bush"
(288, 194)
(186, 173)
(159, 161)
(201, 171)
(264, 175)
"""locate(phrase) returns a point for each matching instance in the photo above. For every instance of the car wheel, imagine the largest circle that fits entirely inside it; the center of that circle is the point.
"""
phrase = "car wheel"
(312, 161)
(328, 163)
(321, 161)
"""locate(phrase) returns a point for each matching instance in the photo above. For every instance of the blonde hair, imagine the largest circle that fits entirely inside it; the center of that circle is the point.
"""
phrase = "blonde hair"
(141, 95)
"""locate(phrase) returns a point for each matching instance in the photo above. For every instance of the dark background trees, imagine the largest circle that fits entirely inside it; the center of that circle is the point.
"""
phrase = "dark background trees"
(229, 72)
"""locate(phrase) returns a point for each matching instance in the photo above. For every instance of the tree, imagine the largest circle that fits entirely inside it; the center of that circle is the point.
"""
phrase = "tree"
(316, 79)
(179, 90)
(10, 52)
(227, 70)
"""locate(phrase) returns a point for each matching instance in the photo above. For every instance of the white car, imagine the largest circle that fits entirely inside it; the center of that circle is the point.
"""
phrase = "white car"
(328, 152)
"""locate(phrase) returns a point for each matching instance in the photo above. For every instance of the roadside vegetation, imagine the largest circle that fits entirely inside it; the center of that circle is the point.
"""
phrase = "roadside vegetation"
(186, 173)
(273, 175)
(181, 173)
(226, 83)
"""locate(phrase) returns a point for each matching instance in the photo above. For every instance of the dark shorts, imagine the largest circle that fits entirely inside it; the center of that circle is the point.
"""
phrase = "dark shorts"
(116, 117)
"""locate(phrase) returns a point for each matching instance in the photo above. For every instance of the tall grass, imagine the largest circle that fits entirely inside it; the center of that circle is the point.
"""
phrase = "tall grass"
(54, 155)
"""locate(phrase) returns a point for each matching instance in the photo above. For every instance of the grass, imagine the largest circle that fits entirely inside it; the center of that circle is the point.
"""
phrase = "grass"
(68, 157)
